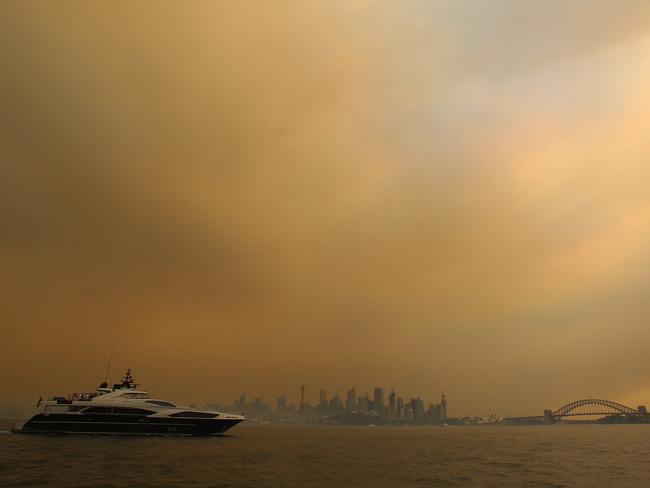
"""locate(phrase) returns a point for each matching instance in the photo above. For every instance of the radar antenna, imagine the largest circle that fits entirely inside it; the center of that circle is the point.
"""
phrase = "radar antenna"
(128, 381)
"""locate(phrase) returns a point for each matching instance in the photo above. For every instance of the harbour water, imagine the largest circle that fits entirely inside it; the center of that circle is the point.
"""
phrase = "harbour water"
(287, 456)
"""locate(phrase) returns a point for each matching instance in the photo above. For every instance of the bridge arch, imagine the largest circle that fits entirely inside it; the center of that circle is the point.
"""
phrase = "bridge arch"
(593, 406)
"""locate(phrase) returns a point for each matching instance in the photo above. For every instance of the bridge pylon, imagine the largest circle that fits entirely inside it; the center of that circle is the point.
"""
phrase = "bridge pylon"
(548, 416)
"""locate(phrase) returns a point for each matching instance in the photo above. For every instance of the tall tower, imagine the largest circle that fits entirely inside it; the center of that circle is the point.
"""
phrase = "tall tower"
(322, 399)
(281, 403)
(379, 400)
(351, 400)
(392, 404)
(242, 402)
(302, 397)
(443, 408)
(392, 399)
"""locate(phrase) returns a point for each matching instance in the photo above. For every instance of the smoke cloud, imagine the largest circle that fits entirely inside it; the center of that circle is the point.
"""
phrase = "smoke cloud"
(246, 196)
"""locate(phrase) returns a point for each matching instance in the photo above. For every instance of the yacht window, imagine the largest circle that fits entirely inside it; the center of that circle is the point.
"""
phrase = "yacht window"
(133, 395)
(194, 414)
(161, 403)
(103, 410)
(131, 411)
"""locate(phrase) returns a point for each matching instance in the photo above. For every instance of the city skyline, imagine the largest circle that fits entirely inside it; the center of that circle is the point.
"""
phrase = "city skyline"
(392, 407)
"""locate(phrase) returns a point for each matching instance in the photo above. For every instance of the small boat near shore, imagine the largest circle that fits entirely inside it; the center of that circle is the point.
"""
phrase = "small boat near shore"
(123, 410)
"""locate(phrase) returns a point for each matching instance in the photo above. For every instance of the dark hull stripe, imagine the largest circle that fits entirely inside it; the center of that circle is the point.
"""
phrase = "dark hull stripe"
(41, 424)
(86, 422)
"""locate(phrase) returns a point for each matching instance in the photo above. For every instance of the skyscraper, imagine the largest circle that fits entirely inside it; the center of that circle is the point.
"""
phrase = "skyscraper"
(379, 400)
(281, 403)
(241, 404)
(408, 412)
(443, 409)
(438, 414)
(323, 400)
(430, 414)
(334, 405)
(417, 406)
(362, 404)
(351, 399)
(392, 405)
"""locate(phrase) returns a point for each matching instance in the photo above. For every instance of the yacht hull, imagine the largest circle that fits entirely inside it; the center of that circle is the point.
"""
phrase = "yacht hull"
(118, 425)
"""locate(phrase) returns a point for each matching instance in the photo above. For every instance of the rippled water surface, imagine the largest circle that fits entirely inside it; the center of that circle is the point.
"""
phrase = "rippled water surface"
(261, 456)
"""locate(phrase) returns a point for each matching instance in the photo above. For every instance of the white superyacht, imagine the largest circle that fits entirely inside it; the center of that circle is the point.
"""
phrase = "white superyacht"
(123, 409)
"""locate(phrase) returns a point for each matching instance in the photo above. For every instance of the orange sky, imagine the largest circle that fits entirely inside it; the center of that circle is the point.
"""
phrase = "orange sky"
(246, 196)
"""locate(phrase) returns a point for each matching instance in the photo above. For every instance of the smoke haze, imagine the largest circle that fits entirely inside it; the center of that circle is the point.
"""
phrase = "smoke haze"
(441, 197)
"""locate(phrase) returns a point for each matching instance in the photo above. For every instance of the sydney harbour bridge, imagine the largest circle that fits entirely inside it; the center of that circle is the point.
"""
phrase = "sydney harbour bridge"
(587, 408)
